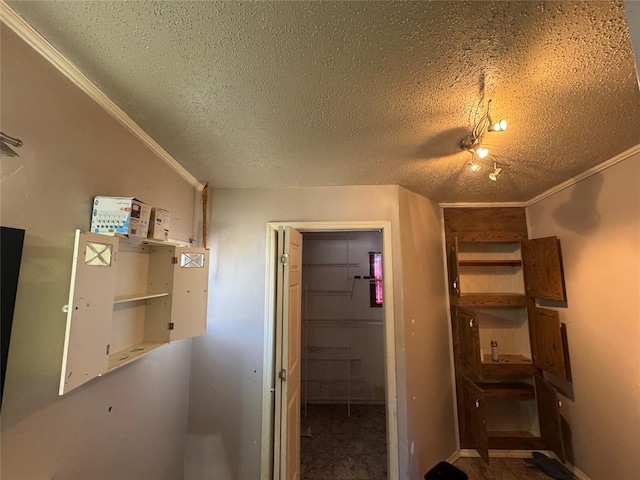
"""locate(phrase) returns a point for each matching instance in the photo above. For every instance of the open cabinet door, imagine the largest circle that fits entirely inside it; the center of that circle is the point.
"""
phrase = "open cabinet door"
(469, 342)
(542, 262)
(90, 309)
(189, 297)
(547, 345)
(454, 276)
(288, 361)
(476, 423)
(551, 422)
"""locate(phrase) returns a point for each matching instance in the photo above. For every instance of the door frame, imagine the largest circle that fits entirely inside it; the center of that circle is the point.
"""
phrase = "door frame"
(268, 390)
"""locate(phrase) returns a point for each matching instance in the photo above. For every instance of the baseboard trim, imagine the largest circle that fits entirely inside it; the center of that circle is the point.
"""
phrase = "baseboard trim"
(453, 457)
(579, 474)
(471, 453)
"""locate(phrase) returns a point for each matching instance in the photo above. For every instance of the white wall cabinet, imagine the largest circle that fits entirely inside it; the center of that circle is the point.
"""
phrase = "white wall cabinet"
(127, 300)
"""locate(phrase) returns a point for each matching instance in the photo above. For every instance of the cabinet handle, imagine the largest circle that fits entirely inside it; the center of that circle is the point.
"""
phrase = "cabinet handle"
(478, 403)
(560, 403)
(471, 323)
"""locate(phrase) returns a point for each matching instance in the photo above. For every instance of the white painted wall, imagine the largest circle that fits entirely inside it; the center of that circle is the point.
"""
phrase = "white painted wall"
(225, 397)
(427, 347)
(598, 223)
(127, 424)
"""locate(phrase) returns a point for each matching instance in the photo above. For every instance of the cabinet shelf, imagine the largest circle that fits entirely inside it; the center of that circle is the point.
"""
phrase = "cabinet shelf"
(507, 365)
(489, 263)
(492, 300)
(138, 297)
(146, 241)
(507, 389)
(127, 355)
(510, 434)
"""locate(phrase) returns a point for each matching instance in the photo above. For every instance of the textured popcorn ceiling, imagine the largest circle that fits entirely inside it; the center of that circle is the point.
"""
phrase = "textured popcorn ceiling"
(293, 94)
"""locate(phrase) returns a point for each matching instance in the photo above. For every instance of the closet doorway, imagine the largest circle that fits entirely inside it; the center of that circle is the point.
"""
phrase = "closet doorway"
(343, 398)
(336, 404)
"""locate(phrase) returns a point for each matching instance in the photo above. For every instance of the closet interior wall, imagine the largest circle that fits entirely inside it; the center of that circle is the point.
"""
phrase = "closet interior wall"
(342, 334)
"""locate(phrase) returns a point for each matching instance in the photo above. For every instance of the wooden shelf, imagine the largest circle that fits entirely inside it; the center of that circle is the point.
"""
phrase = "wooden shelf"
(492, 300)
(138, 297)
(488, 237)
(507, 365)
(510, 434)
(490, 263)
(507, 389)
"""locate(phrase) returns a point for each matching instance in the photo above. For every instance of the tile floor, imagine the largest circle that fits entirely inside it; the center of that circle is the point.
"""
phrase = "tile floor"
(342, 448)
(499, 469)
(335, 447)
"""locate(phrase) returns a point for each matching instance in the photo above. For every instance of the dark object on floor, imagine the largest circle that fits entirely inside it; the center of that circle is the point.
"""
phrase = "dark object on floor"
(445, 471)
(550, 466)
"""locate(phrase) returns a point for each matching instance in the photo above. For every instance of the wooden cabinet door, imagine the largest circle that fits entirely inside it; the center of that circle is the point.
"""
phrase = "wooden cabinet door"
(475, 414)
(469, 333)
(551, 423)
(454, 276)
(547, 346)
(542, 262)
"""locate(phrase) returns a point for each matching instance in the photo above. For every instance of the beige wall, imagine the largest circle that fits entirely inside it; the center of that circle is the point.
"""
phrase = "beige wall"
(598, 223)
(226, 389)
(129, 423)
(430, 404)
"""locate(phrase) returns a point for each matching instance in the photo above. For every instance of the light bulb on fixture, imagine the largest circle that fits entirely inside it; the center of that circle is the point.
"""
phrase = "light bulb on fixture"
(501, 126)
(482, 152)
(473, 166)
(496, 172)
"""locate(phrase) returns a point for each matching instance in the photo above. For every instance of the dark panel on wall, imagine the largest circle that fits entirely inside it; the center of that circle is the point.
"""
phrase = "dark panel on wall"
(11, 241)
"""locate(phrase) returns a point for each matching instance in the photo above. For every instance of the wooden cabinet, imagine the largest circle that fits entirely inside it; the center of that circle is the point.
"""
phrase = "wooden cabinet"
(127, 300)
(495, 276)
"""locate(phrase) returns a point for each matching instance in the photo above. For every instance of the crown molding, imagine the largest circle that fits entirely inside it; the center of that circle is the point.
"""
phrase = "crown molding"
(26, 32)
(586, 174)
(552, 191)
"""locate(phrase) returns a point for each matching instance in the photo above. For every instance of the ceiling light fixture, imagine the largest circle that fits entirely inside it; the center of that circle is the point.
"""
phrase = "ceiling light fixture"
(474, 166)
(473, 141)
(496, 172)
(5, 141)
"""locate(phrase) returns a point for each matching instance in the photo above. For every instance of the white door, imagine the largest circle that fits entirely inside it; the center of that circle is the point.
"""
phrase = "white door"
(288, 321)
(90, 309)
